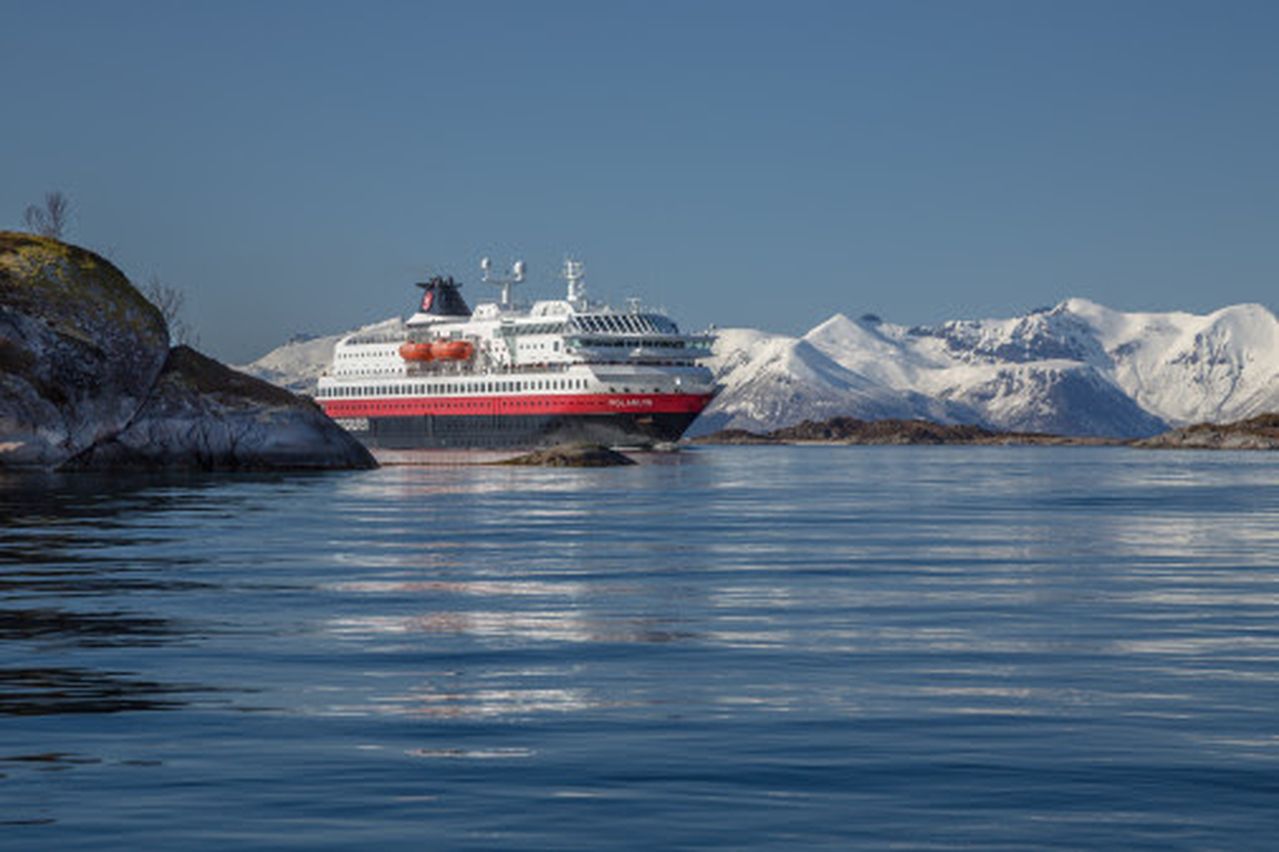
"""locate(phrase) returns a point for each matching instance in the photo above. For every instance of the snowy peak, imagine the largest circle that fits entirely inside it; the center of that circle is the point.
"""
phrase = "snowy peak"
(769, 379)
(870, 347)
(1078, 368)
(1187, 367)
(1039, 336)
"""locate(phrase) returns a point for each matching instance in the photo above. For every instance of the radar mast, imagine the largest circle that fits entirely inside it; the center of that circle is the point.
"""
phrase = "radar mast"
(517, 276)
(575, 274)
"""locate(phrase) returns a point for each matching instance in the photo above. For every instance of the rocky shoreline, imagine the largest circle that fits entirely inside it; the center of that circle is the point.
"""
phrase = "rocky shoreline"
(88, 381)
(1257, 433)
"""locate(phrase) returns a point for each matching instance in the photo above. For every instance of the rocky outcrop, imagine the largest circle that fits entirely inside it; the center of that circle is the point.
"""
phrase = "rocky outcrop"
(572, 455)
(1255, 433)
(80, 349)
(203, 415)
(87, 381)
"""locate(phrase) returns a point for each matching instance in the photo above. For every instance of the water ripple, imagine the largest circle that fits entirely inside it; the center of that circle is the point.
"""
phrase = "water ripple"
(734, 647)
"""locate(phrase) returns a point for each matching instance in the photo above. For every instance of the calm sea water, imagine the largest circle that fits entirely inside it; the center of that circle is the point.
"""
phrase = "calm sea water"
(730, 647)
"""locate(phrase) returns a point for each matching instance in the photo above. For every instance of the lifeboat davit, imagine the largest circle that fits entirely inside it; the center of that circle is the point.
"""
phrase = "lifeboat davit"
(452, 350)
(410, 351)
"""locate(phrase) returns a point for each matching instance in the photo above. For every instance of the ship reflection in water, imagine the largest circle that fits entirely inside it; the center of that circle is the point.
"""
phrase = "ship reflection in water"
(733, 646)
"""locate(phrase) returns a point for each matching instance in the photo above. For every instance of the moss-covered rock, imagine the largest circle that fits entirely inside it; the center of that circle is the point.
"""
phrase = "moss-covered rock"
(79, 350)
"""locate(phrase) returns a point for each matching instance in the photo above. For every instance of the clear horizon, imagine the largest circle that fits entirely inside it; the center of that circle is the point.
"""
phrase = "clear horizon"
(296, 167)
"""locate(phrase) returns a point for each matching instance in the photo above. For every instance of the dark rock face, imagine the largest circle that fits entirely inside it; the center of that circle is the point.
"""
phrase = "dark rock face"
(87, 381)
(79, 350)
(205, 416)
(575, 455)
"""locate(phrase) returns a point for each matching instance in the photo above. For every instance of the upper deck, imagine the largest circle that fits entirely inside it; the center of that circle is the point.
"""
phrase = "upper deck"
(504, 336)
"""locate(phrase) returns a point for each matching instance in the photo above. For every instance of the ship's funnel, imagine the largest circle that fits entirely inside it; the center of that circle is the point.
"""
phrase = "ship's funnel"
(442, 298)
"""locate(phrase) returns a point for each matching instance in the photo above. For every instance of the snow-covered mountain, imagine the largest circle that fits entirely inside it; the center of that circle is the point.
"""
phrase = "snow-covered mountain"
(1076, 369)
(770, 380)
(1187, 368)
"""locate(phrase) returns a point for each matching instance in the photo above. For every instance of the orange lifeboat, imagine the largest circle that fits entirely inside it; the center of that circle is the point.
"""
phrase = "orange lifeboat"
(410, 351)
(452, 350)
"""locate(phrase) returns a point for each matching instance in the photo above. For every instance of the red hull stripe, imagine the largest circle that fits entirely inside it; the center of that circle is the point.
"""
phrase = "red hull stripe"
(584, 403)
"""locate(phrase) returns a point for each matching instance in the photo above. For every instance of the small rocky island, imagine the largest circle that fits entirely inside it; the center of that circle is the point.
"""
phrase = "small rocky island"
(88, 381)
(572, 455)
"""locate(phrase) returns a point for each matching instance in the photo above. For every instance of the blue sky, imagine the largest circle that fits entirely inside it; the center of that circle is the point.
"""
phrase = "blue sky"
(297, 166)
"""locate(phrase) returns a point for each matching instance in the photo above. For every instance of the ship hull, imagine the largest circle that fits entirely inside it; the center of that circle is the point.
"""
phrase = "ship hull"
(517, 421)
(514, 431)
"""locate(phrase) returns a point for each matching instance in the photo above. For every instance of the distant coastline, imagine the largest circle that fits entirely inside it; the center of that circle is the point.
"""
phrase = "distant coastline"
(1255, 433)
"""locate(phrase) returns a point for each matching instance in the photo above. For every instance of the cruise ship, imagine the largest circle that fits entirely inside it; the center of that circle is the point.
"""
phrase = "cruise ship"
(508, 375)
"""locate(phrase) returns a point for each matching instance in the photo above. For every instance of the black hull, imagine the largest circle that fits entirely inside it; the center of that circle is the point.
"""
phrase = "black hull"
(517, 431)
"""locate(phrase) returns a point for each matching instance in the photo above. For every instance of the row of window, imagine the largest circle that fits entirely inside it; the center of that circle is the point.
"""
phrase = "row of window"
(374, 338)
(539, 328)
(625, 323)
(454, 388)
(631, 343)
(383, 354)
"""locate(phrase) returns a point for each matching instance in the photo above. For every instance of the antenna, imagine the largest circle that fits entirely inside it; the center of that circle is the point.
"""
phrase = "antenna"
(517, 275)
(574, 272)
